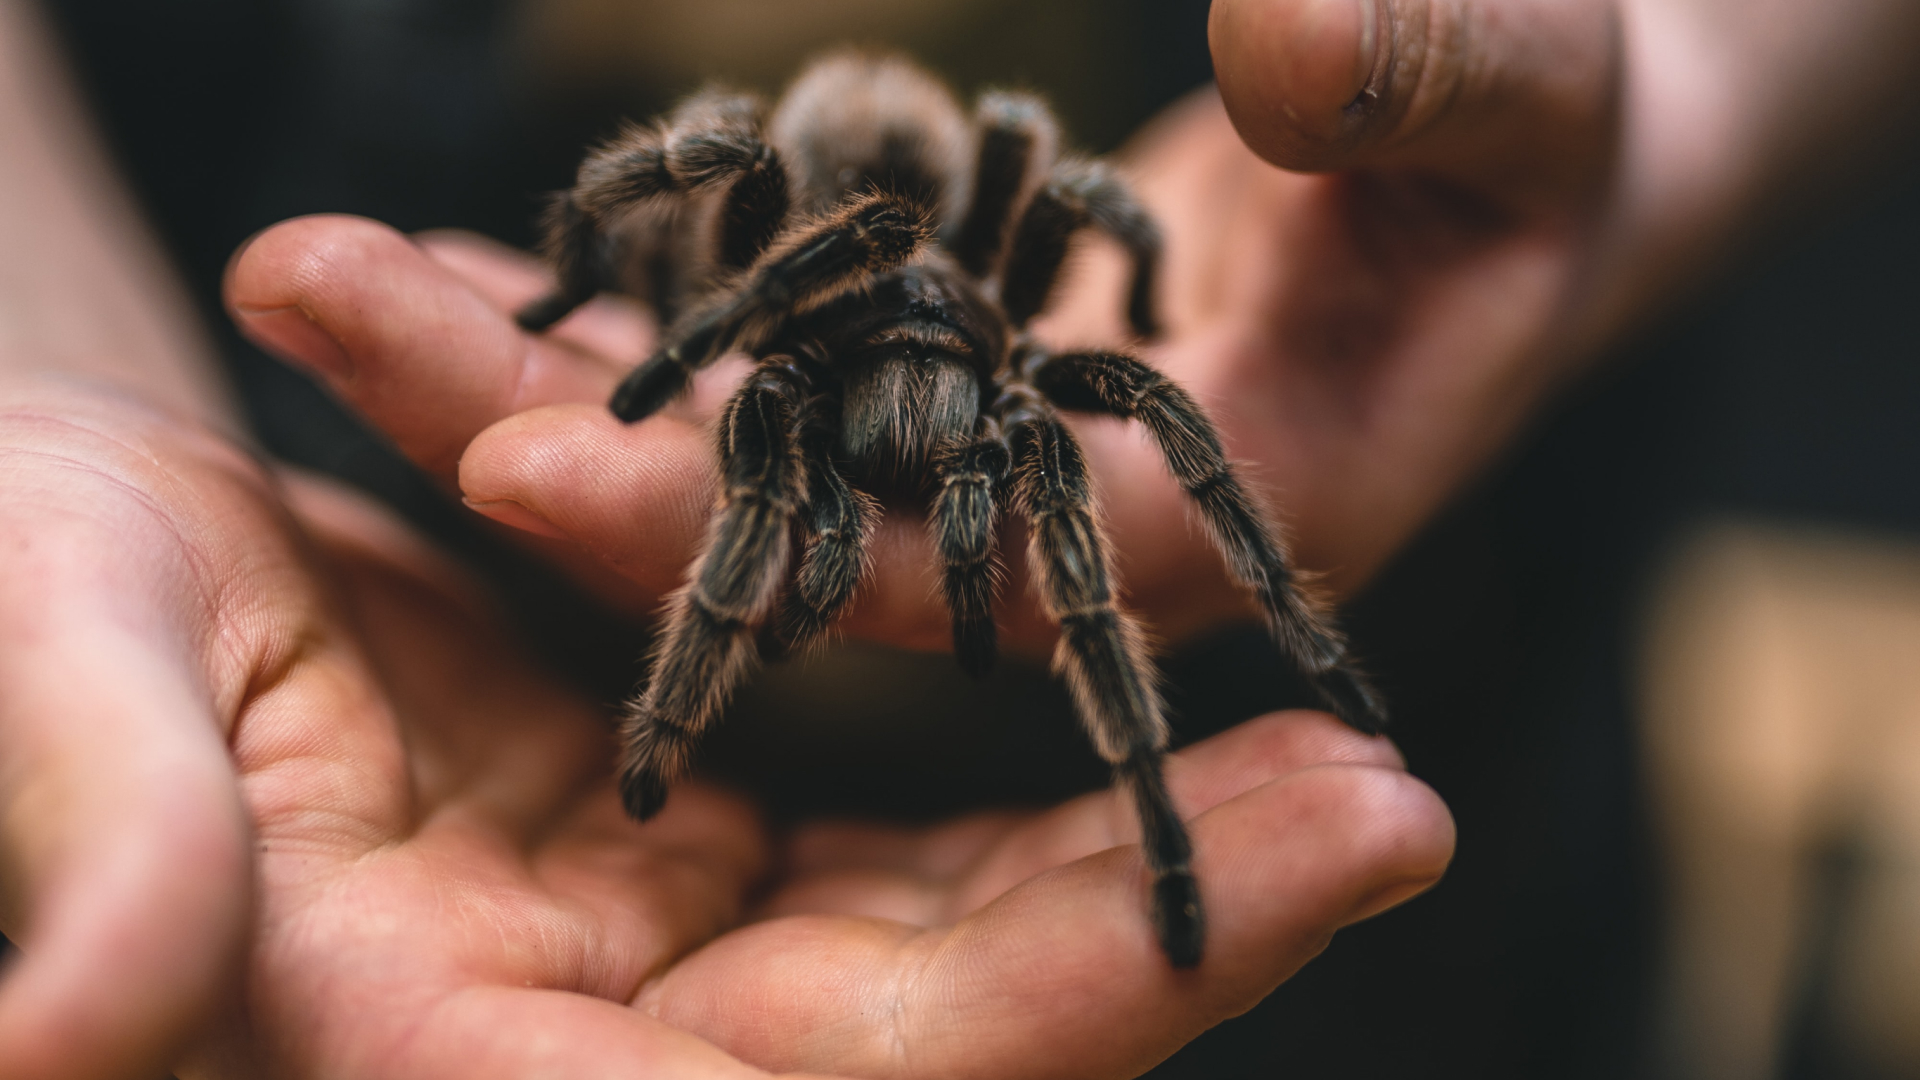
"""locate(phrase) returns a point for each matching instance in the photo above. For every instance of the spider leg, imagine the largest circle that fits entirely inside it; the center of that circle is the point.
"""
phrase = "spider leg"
(573, 247)
(963, 517)
(1017, 140)
(1120, 385)
(1103, 654)
(755, 211)
(867, 235)
(839, 521)
(707, 644)
(712, 140)
(612, 178)
(715, 140)
(1078, 194)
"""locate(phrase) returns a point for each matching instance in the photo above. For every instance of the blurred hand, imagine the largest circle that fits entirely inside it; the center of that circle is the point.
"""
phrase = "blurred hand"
(152, 593)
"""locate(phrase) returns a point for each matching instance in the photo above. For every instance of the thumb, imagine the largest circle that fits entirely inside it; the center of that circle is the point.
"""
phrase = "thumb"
(124, 866)
(121, 828)
(1518, 94)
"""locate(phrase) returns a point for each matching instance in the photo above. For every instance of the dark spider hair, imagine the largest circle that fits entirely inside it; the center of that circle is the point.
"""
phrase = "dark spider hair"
(880, 258)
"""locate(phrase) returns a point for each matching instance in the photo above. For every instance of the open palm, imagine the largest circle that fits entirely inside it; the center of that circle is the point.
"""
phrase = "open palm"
(250, 716)
(450, 888)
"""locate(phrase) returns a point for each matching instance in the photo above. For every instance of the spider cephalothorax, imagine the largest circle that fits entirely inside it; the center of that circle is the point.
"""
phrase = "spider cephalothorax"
(879, 257)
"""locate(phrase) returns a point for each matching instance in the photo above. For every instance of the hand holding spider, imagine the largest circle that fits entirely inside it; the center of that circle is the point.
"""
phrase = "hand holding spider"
(1364, 339)
(411, 843)
(869, 369)
(1366, 376)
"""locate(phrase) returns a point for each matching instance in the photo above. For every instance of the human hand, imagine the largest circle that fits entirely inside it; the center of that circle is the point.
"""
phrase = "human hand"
(1338, 330)
(418, 336)
(451, 888)
(1501, 187)
(153, 595)
(445, 881)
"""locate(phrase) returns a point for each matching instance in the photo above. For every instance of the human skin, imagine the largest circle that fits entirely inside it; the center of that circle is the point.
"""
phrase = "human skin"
(122, 843)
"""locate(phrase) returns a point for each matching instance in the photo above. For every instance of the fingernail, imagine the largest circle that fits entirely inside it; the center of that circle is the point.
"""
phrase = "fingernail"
(288, 332)
(509, 512)
(1359, 21)
(1330, 61)
(1369, 68)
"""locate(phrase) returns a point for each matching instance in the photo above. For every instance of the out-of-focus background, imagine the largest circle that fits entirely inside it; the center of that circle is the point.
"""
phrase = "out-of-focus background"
(1663, 661)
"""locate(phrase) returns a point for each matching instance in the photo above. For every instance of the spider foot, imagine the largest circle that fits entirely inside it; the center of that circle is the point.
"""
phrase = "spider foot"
(643, 793)
(1178, 917)
(1348, 695)
(544, 312)
(975, 645)
(648, 388)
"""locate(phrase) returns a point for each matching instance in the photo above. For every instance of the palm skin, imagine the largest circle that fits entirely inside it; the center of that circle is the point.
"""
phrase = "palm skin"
(450, 888)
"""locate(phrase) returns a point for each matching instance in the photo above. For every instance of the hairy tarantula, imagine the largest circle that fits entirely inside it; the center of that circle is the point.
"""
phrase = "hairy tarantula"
(879, 257)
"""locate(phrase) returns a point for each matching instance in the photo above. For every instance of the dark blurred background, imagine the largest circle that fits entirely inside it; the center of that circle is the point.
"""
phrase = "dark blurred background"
(1505, 635)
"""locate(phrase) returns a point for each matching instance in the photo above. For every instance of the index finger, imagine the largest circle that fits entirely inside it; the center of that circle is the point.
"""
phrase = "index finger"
(424, 353)
(1062, 975)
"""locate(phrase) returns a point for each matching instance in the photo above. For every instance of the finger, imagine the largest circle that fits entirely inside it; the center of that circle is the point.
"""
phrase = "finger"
(1502, 90)
(638, 498)
(635, 497)
(616, 327)
(122, 838)
(936, 875)
(1062, 976)
(426, 357)
(1198, 778)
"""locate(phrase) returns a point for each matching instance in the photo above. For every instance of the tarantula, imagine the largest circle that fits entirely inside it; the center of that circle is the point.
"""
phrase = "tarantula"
(880, 258)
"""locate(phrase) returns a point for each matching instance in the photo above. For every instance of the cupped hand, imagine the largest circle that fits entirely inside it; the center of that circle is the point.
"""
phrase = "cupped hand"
(249, 726)
(451, 889)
